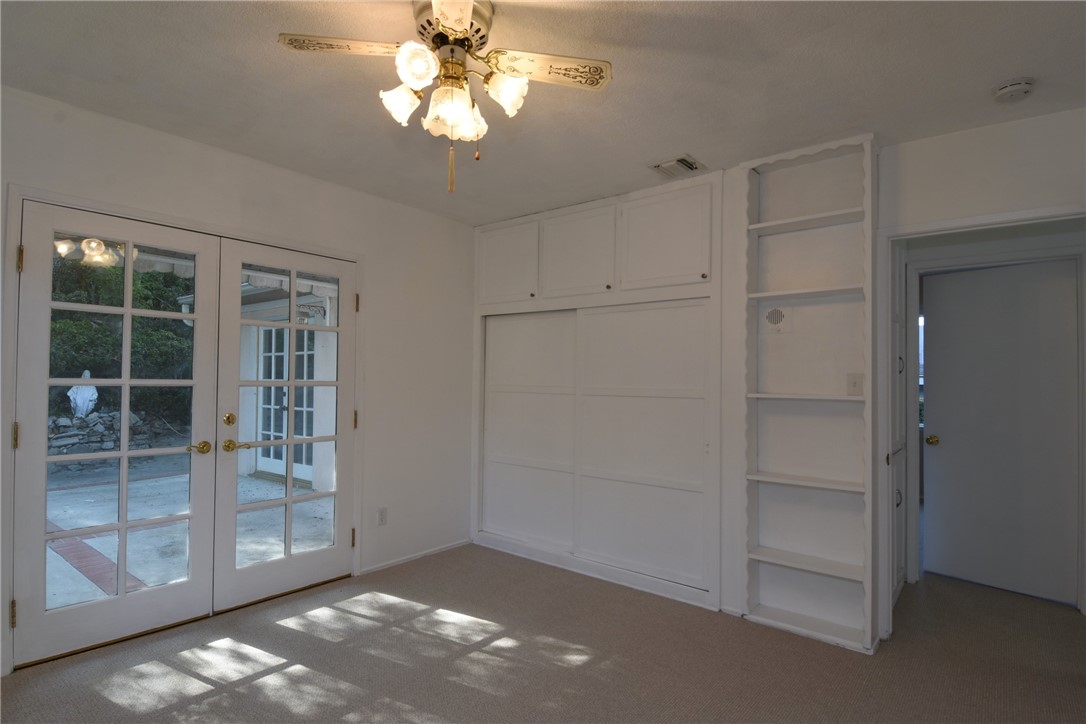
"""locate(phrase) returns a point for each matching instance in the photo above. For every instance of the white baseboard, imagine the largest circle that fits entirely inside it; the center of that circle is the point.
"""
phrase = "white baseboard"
(564, 559)
(412, 557)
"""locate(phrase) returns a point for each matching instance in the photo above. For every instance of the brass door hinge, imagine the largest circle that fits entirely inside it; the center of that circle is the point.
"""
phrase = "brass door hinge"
(357, 302)
(19, 260)
(352, 541)
(14, 436)
(11, 615)
(356, 419)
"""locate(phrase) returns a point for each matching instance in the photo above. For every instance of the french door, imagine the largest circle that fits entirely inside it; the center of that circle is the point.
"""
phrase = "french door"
(141, 383)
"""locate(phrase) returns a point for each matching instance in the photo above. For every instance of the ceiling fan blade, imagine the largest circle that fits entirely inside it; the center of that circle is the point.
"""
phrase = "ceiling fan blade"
(454, 14)
(337, 45)
(559, 69)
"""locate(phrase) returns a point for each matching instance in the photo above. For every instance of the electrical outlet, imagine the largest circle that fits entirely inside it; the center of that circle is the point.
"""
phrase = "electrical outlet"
(854, 383)
(382, 516)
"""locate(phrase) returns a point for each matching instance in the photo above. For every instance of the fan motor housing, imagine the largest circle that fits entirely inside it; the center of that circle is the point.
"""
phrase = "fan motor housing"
(482, 17)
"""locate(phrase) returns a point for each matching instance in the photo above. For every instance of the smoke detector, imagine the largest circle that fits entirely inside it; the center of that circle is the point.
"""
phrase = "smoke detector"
(678, 167)
(1013, 90)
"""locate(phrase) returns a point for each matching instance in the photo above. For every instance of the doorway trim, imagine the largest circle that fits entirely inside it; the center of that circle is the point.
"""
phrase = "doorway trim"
(14, 196)
(899, 270)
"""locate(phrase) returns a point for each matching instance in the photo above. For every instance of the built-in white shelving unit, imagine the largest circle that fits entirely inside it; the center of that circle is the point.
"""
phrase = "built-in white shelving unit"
(809, 423)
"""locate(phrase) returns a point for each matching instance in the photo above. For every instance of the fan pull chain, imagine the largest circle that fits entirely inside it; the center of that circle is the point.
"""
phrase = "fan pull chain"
(452, 168)
(476, 149)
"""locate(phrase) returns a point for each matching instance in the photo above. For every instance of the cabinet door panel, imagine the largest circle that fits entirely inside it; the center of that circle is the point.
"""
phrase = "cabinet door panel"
(507, 263)
(666, 238)
(577, 253)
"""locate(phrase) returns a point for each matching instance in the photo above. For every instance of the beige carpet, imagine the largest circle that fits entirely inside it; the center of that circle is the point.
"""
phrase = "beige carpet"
(475, 635)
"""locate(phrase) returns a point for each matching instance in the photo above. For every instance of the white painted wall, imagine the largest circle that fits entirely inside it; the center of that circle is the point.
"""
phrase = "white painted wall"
(1036, 163)
(417, 294)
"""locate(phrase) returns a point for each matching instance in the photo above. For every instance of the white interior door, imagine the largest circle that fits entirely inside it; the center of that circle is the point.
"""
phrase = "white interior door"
(286, 372)
(1001, 501)
(116, 369)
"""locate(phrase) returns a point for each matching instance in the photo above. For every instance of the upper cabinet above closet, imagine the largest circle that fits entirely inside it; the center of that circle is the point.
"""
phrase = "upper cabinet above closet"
(666, 238)
(628, 248)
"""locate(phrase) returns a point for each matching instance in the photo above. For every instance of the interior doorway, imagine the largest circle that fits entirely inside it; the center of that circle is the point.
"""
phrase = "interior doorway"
(991, 504)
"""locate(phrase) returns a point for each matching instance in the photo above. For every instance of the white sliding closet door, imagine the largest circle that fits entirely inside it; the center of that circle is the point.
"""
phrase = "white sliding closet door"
(599, 438)
(529, 427)
(644, 502)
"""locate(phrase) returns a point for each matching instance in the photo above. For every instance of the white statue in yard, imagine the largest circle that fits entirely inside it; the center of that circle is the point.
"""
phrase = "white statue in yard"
(83, 397)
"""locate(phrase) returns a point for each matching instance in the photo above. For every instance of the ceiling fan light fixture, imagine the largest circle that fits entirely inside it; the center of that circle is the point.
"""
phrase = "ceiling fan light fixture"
(507, 91)
(401, 102)
(416, 65)
(450, 113)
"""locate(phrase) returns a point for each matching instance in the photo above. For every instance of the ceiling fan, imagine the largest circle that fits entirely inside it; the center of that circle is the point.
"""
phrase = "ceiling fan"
(452, 33)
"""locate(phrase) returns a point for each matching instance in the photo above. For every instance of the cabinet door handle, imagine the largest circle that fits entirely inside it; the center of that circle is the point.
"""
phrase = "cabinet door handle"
(897, 496)
(704, 276)
(531, 294)
(608, 286)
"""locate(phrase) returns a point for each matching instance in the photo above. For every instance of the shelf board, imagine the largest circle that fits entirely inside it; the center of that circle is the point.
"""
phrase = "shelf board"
(814, 221)
(811, 293)
(811, 564)
(836, 633)
(806, 481)
(797, 396)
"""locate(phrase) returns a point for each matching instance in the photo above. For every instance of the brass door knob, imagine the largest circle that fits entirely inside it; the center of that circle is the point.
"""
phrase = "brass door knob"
(229, 418)
(932, 439)
(203, 447)
(232, 445)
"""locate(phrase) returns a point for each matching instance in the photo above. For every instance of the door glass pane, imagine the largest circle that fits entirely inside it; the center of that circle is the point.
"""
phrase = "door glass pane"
(158, 485)
(318, 300)
(87, 270)
(265, 293)
(262, 473)
(316, 355)
(98, 430)
(314, 467)
(157, 555)
(263, 353)
(312, 524)
(80, 568)
(261, 535)
(84, 344)
(262, 413)
(159, 417)
(314, 411)
(82, 493)
(163, 280)
(162, 348)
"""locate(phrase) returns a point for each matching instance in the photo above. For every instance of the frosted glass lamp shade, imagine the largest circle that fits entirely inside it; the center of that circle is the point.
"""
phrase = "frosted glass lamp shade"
(507, 91)
(416, 65)
(478, 128)
(450, 113)
(400, 102)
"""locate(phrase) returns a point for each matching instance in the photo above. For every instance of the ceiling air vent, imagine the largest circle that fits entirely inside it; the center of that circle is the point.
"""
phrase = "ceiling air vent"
(678, 167)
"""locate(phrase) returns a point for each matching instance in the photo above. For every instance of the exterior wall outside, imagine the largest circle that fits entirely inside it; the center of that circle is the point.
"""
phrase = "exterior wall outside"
(416, 280)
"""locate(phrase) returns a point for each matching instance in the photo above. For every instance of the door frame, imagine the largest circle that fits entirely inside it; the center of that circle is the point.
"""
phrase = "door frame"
(900, 259)
(15, 194)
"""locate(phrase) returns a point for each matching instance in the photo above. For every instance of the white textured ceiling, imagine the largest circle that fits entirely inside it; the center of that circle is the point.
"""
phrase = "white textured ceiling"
(725, 82)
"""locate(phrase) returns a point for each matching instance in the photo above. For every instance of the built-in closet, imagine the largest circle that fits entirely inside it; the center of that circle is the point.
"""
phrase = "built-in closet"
(600, 401)
(678, 398)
